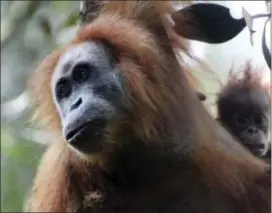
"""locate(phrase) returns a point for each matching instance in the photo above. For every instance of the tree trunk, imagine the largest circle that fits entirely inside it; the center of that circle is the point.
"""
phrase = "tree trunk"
(89, 9)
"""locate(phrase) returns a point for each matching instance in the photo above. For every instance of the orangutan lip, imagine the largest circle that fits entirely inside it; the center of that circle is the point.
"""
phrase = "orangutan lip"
(73, 134)
(256, 146)
(91, 126)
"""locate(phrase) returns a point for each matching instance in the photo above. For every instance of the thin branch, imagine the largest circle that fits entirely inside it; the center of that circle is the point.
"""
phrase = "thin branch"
(261, 16)
(266, 51)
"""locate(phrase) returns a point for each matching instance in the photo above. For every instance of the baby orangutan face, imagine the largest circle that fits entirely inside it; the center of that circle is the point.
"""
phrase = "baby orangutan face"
(245, 113)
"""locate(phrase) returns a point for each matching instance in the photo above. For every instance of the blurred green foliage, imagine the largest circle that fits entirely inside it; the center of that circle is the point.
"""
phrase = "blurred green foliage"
(32, 32)
(19, 160)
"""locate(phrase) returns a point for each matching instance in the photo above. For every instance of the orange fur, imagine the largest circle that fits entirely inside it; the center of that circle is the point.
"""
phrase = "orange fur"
(163, 99)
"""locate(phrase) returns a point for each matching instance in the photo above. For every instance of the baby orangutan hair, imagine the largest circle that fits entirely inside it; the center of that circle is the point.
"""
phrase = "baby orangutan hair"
(132, 135)
(244, 109)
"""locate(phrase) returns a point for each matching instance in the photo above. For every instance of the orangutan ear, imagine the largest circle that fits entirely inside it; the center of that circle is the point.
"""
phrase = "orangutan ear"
(206, 22)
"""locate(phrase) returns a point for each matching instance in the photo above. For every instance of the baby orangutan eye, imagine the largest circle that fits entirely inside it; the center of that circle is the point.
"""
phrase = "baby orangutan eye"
(240, 120)
(259, 120)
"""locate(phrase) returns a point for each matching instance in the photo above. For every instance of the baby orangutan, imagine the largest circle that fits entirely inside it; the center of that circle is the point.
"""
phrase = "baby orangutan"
(244, 109)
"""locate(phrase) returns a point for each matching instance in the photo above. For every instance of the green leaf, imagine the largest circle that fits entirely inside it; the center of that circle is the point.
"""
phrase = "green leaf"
(46, 27)
(71, 20)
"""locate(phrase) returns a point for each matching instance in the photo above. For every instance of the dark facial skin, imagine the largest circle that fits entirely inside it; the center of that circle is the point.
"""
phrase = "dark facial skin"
(245, 112)
(87, 94)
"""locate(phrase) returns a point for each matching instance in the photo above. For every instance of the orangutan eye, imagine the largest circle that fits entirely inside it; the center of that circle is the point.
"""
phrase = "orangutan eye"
(63, 89)
(241, 120)
(81, 72)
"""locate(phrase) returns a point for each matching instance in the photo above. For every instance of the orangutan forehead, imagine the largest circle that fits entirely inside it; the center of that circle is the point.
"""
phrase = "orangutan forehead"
(258, 99)
(91, 52)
